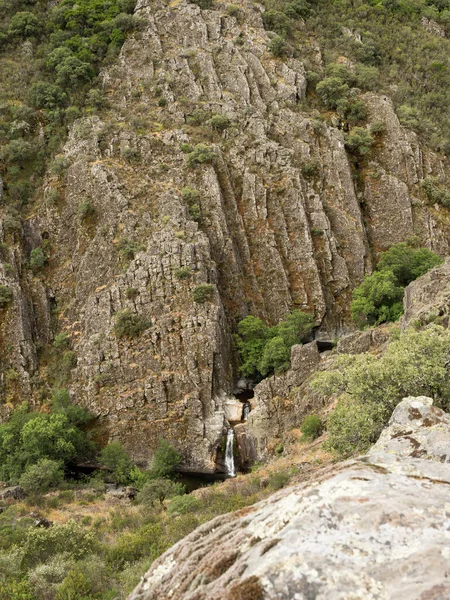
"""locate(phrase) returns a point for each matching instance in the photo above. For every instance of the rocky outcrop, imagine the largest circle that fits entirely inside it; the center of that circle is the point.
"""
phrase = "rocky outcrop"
(281, 402)
(427, 299)
(376, 528)
(275, 220)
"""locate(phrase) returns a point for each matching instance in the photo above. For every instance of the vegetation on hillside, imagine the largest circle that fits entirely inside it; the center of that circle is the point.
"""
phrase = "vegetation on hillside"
(103, 552)
(379, 298)
(263, 350)
(50, 57)
(379, 45)
(370, 387)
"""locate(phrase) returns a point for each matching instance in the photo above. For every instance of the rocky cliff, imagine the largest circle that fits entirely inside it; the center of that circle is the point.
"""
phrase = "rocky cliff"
(376, 527)
(275, 216)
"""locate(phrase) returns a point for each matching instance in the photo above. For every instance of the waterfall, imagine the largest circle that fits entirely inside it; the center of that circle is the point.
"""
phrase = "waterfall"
(229, 453)
(246, 411)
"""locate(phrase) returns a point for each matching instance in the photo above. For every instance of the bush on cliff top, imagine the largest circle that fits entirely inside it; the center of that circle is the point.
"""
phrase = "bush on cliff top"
(379, 297)
(369, 388)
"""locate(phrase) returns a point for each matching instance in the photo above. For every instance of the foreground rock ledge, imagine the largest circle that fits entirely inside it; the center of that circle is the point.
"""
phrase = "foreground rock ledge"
(373, 528)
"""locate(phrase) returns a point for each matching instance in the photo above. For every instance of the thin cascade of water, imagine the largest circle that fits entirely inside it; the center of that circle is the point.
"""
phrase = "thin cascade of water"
(246, 411)
(229, 453)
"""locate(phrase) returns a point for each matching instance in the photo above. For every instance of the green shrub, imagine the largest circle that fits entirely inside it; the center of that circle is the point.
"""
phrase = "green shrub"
(5, 296)
(165, 459)
(436, 191)
(46, 95)
(157, 490)
(274, 20)
(14, 589)
(203, 4)
(279, 46)
(201, 154)
(24, 24)
(131, 154)
(370, 387)
(203, 293)
(86, 210)
(128, 248)
(219, 123)
(37, 259)
(233, 10)
(278, 480)
(147, 541)
(183, 273)
(264, 349)
(70, 539)
(18, 152)
(118, 461)
(331, 90)
(379, 297)
(61, 341)
(181, 505)
(130, 324)
(359, 141)
(407, 263)
(59, 165)
(311, 427)
(41, 476)
(310, 168)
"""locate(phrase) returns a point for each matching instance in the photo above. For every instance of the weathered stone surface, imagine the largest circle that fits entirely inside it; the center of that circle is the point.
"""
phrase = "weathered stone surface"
(371, 528)
(416, 429)
(15, 492)
(280, 402)
(363, 341)
(427, 299)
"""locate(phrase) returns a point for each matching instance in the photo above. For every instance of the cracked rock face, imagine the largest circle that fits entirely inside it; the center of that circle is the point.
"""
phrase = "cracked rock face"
(375, 528)
(283, 224)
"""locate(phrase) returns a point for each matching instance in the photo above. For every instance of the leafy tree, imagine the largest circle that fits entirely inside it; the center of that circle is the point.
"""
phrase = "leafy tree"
(370, 387)
(157, 490)
(311, 427)
(117, 459)
(379, 297)
(279, 46)
(359, 141)
(46, 95)
(276, 356)
(407, 263)
(264, 349)
(62, 404)
(51, 436)
(28, 437)
(165, 459)
(252, 337)
(331, 90)
(24, 24)
(42, 476)
(201, 154)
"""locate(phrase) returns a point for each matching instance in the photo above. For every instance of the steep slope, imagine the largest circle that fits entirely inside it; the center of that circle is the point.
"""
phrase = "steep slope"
(276, 216)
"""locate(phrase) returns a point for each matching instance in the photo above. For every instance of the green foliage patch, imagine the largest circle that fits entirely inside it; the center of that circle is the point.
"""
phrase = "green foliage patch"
(379, 298)
(370, 387)
(263, 349)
